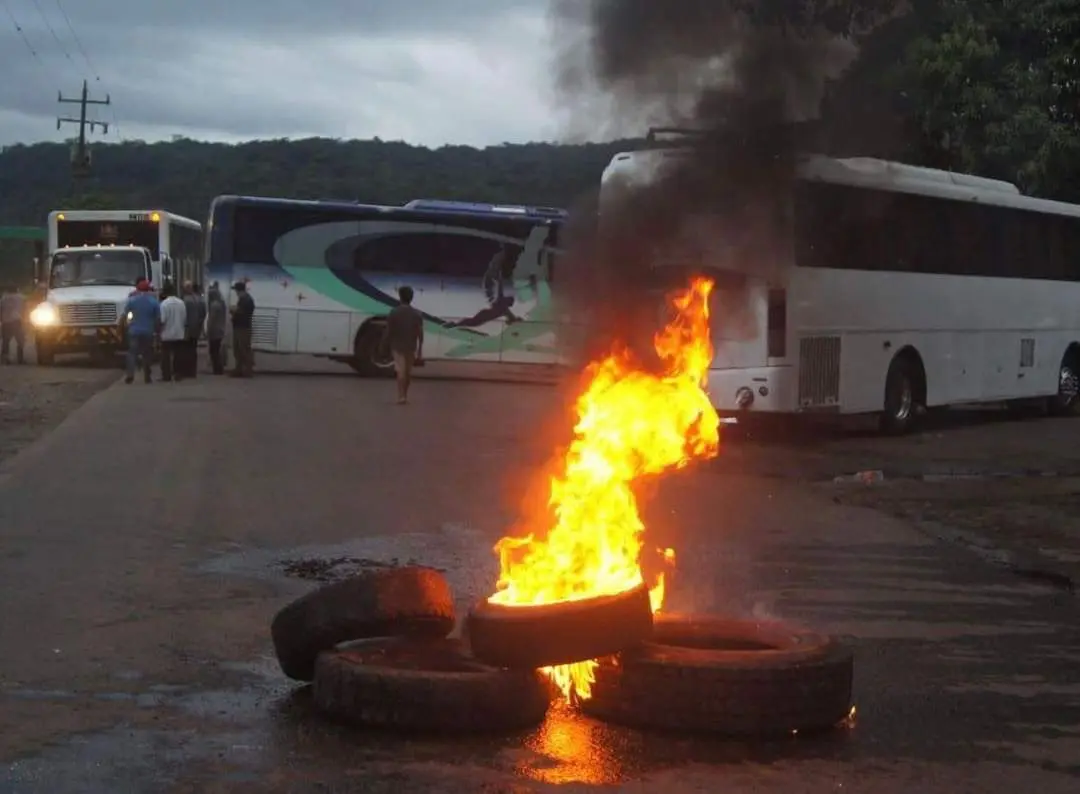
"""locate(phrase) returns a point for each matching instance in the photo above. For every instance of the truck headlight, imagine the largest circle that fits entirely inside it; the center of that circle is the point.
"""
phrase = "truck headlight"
(44, 315)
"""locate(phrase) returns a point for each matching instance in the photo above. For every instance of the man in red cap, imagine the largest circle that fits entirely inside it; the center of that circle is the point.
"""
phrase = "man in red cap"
(143, 313)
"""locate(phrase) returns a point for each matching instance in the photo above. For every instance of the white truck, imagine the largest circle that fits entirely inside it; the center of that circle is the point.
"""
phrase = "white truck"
(95, 260)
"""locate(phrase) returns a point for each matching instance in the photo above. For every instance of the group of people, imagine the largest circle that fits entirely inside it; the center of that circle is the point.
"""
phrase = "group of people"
(179, 322)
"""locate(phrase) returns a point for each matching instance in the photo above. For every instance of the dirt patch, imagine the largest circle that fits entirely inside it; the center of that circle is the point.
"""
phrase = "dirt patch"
(34, 399)
(1034, 522)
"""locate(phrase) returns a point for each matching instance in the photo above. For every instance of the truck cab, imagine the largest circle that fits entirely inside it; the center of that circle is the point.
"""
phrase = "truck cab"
(86, 290)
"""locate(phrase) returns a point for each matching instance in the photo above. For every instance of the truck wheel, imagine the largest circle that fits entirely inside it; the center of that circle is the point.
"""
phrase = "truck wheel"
(371, 357)
(43, 353)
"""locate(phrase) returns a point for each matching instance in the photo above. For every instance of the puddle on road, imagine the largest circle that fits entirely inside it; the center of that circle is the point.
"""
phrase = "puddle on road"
(462, 553)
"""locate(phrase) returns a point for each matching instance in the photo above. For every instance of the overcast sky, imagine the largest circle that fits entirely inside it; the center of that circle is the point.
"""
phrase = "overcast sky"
(425, 71)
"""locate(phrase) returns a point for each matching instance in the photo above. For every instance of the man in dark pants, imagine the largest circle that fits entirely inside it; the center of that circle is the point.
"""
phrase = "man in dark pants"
(144, 312)
(173, 325)
(242, 312)
(12, 311)
(217, 312)
(193, 322)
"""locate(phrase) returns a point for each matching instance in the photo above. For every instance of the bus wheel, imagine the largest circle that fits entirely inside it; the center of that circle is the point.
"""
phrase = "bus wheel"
(372, 358)
(901, 397)
(1067, 401)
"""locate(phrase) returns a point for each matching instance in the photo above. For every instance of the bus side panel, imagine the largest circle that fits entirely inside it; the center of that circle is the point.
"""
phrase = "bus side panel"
(322, 332)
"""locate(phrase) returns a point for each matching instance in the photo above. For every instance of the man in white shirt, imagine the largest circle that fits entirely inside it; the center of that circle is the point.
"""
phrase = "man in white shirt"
(173, 327)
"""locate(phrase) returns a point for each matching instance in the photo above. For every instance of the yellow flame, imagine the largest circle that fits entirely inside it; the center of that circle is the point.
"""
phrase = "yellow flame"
(630, 423)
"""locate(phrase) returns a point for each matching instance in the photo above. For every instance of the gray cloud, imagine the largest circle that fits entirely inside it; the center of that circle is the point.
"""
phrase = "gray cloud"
(427, 71)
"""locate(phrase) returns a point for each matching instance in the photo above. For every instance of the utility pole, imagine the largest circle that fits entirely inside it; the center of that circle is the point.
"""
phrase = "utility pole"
(80, 158)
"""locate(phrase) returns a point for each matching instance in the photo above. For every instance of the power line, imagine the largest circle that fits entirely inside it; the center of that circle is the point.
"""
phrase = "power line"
(78, 41)
(22, 33)
(89, 63)
(56, 38)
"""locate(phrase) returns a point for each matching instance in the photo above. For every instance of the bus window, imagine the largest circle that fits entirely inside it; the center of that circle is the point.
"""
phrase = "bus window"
(466, 257)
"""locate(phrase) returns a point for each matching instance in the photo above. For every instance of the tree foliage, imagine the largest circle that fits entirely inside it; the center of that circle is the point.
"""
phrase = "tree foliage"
(983, 86)
(184, 175)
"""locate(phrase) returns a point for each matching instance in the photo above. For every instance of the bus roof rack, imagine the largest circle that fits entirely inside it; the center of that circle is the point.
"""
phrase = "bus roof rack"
(482, 208)
(685, 132)
(800, 134)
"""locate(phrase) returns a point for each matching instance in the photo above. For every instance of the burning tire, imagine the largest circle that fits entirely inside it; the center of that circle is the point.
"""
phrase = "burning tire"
(730, 677)
(409, 601)
(527, 637)
(426, 685)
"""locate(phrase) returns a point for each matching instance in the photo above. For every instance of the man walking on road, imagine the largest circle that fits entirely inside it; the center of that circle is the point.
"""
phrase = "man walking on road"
(243, 311)
(173, 331)
(144, 314)
(12, 310)
(216, 314)
(405, 335)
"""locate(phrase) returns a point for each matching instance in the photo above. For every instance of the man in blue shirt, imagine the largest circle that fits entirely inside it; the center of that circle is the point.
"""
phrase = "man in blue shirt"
(143, 313)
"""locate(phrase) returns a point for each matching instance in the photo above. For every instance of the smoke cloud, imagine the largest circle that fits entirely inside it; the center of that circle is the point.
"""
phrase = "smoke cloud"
(739, 76)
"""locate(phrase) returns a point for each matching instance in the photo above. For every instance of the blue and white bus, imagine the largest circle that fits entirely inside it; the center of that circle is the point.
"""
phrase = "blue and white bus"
(324, 274)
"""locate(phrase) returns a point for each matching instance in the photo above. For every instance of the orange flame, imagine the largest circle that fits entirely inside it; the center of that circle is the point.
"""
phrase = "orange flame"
(630, 423)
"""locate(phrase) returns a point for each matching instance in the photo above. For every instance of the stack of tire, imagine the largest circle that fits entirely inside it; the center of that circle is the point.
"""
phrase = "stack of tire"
(378, 651)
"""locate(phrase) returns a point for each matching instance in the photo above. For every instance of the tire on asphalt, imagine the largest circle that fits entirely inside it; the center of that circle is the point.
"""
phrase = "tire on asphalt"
(371, 356)
(900, 412)
(410, 601)
(1067, 401)
(43, 354)
(730, 677)
(426, 685)
(527, 637)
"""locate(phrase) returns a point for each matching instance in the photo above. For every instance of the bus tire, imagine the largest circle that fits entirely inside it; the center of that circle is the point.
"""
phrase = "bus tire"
(901, 407)
(371, 357)
(1067, 401)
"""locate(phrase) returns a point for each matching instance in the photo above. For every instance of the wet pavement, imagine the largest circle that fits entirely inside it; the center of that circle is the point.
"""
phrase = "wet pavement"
(149, 539)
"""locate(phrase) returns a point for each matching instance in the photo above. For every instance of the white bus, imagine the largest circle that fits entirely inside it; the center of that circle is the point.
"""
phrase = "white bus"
(324, 274)
(96, 257)
(901, 288)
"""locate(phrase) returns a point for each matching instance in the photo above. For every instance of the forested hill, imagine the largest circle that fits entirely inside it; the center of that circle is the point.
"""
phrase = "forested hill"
(184, 175)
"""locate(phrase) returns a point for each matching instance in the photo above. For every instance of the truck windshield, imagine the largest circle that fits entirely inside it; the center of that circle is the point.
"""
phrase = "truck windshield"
(109, 266)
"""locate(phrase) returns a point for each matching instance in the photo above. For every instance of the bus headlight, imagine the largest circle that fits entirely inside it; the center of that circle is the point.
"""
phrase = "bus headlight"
(44, 315)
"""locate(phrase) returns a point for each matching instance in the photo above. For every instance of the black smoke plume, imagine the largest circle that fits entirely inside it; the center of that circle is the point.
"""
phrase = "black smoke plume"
(742, 74)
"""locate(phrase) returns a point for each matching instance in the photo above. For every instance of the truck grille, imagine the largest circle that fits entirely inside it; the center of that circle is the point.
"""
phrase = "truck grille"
(87, 313)
(819, 372)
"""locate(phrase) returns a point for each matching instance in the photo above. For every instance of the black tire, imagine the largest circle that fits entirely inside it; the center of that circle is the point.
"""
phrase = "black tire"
(410, 601)
(1067, 401)
(527, 637)
(371, 356)
(429, 686)
(901, 407)
(43, 354)
(731, 677)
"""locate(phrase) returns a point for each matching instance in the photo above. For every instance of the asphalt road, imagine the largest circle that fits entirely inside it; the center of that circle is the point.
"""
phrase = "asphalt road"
(146, 539)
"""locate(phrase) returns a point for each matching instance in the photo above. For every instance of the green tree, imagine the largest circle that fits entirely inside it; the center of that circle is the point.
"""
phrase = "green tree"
(994, 87)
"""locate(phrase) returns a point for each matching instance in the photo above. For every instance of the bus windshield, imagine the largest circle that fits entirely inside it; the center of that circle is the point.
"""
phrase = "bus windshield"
(109, 266)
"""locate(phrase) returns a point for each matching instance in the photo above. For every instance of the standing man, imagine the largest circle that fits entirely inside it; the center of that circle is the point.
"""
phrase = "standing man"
(173, 332)
(12, 310)
(242, 312)
(216, 315)
(193, 321)
(405, 335)
(143, 314)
